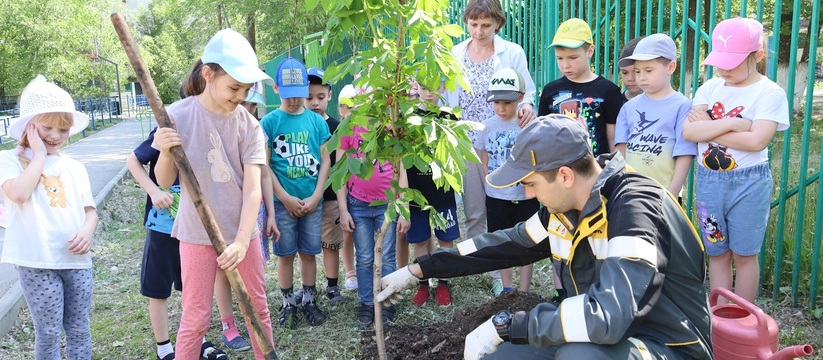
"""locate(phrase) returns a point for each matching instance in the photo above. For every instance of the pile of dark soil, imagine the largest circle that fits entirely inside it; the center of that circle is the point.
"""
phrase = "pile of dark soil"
(444, 340)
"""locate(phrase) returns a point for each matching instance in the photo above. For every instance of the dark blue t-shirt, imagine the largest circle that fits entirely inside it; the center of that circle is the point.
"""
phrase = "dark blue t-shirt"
(148, 155)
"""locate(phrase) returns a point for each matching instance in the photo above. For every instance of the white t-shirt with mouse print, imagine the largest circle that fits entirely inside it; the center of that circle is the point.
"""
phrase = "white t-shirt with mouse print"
(763, 100)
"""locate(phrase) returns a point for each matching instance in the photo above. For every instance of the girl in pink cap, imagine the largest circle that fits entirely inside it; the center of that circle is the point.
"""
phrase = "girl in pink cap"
(733, 119)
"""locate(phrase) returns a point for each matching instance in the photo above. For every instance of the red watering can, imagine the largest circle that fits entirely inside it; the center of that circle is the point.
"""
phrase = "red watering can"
(743, 331)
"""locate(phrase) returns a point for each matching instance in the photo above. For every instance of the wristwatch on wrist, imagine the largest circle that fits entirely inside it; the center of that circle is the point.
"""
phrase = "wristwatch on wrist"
(502, 323)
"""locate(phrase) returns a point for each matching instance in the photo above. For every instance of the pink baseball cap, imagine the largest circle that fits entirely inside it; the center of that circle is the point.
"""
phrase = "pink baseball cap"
(732, 41)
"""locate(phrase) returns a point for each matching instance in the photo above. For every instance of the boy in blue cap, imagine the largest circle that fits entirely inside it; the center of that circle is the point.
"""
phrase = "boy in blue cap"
(298, 158)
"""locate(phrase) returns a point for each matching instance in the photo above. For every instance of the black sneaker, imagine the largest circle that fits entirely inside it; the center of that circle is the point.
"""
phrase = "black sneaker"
(333, 294)
(388, 315)
(169, 356)
(365, 315)
(288, 316)
(313, 314)
(210, 352)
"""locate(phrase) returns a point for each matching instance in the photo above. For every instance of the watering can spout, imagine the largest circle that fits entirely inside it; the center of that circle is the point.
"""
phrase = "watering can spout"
(792, 352)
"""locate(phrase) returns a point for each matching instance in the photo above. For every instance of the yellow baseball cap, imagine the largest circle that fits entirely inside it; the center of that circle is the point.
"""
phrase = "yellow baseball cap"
(572, 33)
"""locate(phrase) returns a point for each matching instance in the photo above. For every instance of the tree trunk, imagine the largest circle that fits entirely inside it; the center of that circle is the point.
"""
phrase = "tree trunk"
(689, 44)
(250, 26)
(804, 58)
(379, 236)
(220, 17)
(785, 39)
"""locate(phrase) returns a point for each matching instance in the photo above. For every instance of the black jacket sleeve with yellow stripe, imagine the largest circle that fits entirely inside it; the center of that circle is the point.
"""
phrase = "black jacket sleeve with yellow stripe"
(491, 251)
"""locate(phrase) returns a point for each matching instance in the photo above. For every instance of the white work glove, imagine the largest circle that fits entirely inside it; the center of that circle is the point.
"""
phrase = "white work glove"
(395, 282)
(481, 341)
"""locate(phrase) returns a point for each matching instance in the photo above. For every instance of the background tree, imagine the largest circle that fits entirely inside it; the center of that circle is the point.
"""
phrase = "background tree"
(50, 37)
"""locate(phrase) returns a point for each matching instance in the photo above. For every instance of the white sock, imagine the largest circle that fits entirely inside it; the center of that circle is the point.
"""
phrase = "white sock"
(165, 349)
(207, 350)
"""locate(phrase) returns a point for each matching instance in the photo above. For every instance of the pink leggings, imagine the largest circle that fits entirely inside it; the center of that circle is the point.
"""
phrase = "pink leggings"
(198, 265)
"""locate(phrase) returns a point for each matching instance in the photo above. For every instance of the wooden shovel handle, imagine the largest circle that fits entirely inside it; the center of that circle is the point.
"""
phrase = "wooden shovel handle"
(188, 178)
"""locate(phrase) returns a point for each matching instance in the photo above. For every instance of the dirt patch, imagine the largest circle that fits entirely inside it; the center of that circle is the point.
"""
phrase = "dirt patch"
(444, 340)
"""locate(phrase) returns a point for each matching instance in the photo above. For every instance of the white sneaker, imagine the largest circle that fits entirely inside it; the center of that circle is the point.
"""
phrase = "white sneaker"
(351, 283)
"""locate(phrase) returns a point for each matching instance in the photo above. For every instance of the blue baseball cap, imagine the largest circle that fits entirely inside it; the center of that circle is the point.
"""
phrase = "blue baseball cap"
(317, 73)
(292, 79)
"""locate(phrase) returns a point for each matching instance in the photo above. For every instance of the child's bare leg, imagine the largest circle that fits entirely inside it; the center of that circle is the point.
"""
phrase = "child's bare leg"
(748, 276)
(308, 271)
(331, 262)
(526, 277)
(285, 276)
(222, 293)
(422, 295)
(402, 250)
(159, 317)
(506, 275)
(348, 261)
(720, 272)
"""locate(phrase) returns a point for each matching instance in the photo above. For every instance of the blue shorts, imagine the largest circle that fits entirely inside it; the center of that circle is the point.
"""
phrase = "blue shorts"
(298, 234)
(421, 229)
(733, 208)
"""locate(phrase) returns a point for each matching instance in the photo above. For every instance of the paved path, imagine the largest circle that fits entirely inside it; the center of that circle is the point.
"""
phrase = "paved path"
(104, 155)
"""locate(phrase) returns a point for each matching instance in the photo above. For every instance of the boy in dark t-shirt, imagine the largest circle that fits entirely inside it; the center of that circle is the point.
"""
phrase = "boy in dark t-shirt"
(443, 201)
(591, 99)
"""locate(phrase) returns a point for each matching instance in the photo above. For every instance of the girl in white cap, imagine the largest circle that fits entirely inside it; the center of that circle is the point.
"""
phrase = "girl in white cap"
(225, 146)
(52, 218)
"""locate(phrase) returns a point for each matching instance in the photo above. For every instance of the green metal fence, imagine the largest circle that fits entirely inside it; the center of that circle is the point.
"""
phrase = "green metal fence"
(791, 255)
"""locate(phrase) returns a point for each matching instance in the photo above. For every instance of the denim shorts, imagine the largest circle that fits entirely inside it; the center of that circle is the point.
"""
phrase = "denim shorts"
(421, 229)
(733, 208)
(298, 233)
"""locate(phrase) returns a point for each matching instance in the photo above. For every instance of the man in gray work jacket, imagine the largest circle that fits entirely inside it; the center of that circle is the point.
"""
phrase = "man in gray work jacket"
(629, 259)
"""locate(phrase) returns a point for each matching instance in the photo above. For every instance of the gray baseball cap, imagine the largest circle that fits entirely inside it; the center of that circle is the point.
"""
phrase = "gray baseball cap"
(547, 143)
(651, 47)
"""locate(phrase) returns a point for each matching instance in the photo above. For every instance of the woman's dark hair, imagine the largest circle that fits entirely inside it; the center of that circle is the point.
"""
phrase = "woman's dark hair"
(195, 83)
(483, 9)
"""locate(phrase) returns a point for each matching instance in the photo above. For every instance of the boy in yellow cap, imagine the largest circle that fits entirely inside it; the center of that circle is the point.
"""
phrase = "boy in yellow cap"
(591, 99)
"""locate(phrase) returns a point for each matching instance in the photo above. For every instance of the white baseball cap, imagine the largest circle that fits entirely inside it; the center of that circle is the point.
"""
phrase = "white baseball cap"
(234, 54)
(345, 95)
(506, 85)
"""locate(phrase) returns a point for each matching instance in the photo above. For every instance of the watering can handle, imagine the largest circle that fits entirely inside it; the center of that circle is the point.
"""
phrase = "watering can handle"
(762, 320)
